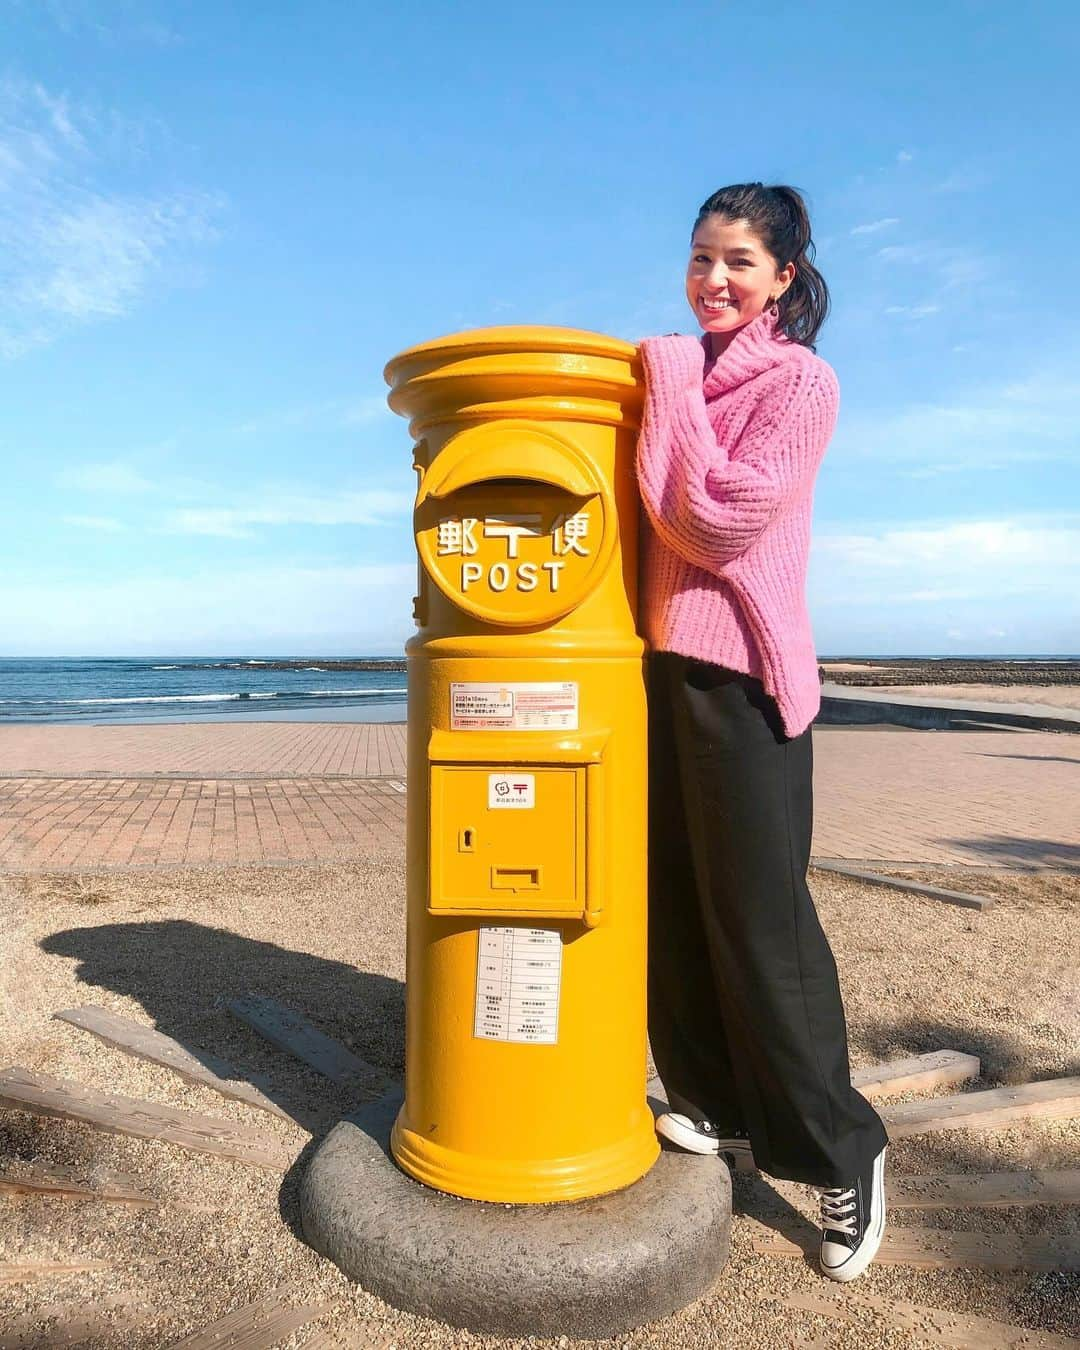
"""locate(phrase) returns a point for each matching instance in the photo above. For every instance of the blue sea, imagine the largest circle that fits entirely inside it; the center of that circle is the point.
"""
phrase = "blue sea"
(189, 690)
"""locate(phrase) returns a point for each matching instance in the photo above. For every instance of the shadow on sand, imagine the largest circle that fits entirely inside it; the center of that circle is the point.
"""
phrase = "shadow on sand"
(185, 974)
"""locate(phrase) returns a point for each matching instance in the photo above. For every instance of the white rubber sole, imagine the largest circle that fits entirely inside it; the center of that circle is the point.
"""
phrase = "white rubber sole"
(856, 1262)
(677, 1129)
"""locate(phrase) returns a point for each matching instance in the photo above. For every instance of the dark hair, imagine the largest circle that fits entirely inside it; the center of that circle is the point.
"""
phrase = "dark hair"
(778, 216)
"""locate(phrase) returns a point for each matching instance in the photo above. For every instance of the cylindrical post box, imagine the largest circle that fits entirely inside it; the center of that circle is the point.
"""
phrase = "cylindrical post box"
(525, 1031)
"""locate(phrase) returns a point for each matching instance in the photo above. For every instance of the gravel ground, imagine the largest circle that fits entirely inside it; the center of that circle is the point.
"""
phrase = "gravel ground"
(170, 949)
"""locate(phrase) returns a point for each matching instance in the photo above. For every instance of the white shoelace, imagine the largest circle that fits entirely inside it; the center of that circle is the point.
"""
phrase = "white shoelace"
(838, 1210)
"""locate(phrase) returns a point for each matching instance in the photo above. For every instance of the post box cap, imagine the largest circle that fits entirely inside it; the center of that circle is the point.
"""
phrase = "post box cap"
(514, 338)
(527, 370)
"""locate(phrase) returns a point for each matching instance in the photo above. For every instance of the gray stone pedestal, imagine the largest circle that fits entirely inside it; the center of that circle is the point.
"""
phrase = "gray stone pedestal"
(589, 1268)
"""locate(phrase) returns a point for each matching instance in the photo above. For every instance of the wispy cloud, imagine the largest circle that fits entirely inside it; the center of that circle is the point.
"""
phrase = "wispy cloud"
(949, 266)
(286, 609)
(961, 549)
(967, 179)
(991, 425)
(911, 266)
(923, 585)
(873, 226)
(913, 311)
(945, 274)
(73, 250)
(374, 507)
(105, 523)
(329, 414)
(170, 504)
(119, 20)
(905, 253)
(369, 409)
(111, 478)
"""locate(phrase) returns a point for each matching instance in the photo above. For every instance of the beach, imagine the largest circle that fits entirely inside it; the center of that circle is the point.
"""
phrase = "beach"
(161, 870)
(1065, 696)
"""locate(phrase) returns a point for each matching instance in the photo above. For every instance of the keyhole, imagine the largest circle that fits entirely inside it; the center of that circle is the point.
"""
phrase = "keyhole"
(467, 840)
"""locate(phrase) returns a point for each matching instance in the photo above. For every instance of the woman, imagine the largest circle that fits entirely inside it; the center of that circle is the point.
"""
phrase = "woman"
(745, 1014)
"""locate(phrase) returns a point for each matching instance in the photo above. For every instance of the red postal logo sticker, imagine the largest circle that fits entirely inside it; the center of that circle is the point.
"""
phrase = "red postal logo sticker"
(511, 791)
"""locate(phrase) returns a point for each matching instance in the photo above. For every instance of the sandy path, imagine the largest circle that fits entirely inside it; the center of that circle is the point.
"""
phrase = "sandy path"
(1050, 695)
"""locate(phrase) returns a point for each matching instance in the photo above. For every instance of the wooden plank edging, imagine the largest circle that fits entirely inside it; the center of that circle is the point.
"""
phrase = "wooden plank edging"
(15, 1272)
(938, 1325)
(42, 1095)
(69, 1183)
(150, 1044)
(938, 1068)
(76, 1323)
(1050, 1099)
(256, 1326)
(984, 1190)
(919, 1073)
(292, 1032)
(935, 1248)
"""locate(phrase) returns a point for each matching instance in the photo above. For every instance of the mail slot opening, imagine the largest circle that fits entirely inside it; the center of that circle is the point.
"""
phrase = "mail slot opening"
(506, 481)
(515, 878)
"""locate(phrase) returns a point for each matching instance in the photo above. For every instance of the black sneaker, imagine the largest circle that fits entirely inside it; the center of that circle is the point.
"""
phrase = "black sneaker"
(852, 1223)
(702, 1136)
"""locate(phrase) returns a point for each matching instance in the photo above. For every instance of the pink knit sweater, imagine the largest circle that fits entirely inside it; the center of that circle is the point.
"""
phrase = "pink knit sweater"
(726, 462)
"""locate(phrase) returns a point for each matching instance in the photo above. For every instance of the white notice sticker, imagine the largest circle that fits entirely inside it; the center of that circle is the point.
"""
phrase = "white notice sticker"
(518, 978)
(511, 791)
(514, 707)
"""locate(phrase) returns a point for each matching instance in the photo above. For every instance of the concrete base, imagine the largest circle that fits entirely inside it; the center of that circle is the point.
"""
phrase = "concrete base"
(590, 1268)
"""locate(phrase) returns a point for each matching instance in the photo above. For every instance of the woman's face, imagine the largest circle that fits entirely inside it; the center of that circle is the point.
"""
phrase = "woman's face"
(731, 277)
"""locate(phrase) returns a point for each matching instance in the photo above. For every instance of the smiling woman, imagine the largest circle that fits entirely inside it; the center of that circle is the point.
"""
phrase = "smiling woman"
(745, 1014)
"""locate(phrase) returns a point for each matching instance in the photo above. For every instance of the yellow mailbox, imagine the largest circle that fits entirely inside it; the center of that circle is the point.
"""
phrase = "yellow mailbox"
(525, 1033)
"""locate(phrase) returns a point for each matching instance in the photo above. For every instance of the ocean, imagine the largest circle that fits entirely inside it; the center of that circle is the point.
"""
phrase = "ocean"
(182, 689)
(178, 689)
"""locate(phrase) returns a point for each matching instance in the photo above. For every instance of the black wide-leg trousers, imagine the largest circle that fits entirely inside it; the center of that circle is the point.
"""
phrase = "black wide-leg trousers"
(745, 1015)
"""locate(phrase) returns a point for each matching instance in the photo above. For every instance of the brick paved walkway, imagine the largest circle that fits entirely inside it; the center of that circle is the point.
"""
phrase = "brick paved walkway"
(64, 823)
(206, 750)
(78, 798)
(979, 798)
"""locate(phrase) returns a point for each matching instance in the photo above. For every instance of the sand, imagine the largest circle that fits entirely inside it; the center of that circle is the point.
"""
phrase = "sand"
(1048, 695)
(169, 949)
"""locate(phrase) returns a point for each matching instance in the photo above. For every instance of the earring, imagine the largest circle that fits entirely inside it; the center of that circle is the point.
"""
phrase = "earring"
(772, 308)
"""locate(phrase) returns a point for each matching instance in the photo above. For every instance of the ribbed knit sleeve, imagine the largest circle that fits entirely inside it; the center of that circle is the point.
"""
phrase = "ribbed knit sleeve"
(710, 496)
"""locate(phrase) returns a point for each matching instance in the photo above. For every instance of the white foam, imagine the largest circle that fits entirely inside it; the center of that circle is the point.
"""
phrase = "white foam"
(198, 698)
(164, 667)
(331, 693)
(146, 698)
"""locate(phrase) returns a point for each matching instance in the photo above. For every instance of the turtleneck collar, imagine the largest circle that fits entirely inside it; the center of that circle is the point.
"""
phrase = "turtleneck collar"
(755, 348)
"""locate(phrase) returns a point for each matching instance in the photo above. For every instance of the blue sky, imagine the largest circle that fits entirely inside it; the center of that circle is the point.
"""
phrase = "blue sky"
(218, 221)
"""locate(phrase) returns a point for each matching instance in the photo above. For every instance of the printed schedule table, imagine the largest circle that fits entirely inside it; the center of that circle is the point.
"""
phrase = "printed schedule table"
(518, 977)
